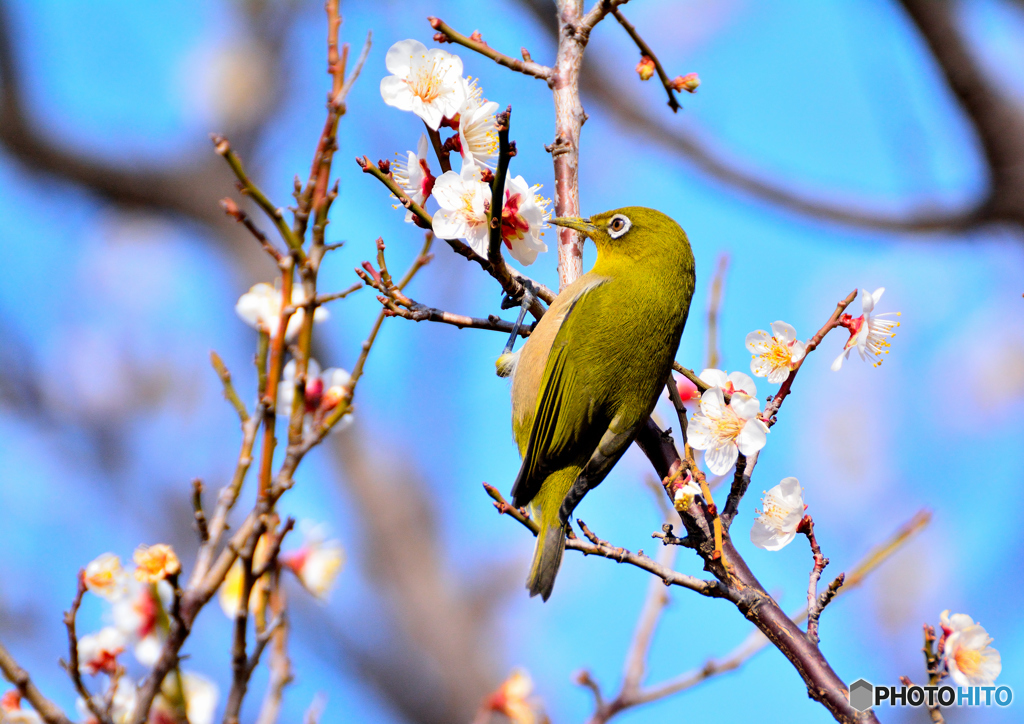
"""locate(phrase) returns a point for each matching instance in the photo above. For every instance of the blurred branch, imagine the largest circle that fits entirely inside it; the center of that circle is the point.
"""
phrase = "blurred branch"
(714, 309)
(48, 711)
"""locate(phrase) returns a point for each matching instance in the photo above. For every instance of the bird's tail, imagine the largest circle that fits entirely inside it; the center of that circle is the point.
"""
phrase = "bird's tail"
(547, 557)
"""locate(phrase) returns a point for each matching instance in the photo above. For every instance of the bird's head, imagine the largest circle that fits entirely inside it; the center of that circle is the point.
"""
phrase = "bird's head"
(634, 232)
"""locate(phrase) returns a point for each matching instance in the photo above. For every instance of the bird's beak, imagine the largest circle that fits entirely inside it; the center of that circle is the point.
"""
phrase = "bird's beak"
(571, 222)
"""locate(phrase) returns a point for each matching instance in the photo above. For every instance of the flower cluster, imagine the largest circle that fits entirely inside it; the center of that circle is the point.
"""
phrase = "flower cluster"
(139, 601)
(430, 84)
(261, 308)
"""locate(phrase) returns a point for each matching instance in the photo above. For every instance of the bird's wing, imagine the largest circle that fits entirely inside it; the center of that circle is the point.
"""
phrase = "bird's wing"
(563, 417)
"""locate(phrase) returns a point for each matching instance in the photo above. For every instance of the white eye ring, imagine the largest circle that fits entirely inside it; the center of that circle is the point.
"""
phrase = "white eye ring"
(618, 226)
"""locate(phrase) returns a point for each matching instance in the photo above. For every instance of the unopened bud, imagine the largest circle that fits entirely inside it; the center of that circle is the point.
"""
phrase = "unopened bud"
(314, 392)
(689, 82)
(645, 68)
(384, 166)
(332, 397)
(688, 391)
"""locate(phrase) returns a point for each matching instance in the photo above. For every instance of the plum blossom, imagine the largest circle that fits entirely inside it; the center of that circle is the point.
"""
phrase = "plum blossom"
(513, 699)
(463, 199)
(427, 82)
(99, 651)
(155, 563)
(478, 131)
(724, 431)
(11, 711)
(730, 383)
(782, 510)
(317, 563)
(105, 577)
(869, 333)
(685, 494)
(260, 308)
(775, 354)
(969, 658)
(413, 175)
(524, 217)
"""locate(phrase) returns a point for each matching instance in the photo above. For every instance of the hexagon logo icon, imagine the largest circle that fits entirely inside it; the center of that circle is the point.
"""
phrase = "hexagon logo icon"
(862, 694)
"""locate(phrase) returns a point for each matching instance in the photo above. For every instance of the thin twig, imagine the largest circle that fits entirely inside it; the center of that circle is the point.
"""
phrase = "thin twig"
(645, 50)
(597, 547)
(714, 308)
(73, 666)
(806, 527)
(446, 34)
(230, 394)
(202, 526)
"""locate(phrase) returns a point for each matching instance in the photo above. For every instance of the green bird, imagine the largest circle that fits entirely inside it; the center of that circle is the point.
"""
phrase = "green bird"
(591, 372)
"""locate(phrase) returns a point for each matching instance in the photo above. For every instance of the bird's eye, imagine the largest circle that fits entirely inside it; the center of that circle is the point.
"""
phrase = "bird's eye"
(618, 226)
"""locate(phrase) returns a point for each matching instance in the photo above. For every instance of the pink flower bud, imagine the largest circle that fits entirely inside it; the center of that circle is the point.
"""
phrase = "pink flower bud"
(645, 68)
(689, 82)
(688, 391)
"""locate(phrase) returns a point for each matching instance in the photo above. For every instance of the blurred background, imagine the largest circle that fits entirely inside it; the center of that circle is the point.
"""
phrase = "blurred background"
(830, 146)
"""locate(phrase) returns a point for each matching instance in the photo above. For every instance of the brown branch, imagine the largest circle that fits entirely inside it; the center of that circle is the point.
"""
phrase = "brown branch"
(47, 710)
(250, 189)
(814, 604)
(72, 667)
(445, 34)
(597, 547)
(645, 50)
(756, 641)
(232, 210)
(996, 118)
(202, 527)
(325, 298)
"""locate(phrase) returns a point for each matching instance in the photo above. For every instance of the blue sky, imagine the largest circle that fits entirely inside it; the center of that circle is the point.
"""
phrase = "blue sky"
(117, 314)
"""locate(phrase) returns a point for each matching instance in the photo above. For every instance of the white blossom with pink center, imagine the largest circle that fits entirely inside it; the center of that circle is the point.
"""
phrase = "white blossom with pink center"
(524, 218)
(869, 333)
(413, 175)
(98, 652)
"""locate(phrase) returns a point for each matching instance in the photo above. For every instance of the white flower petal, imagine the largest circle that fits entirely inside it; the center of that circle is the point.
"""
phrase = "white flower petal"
(742, 382)
(784, 331)
(712, 402)
(721, 459)
(757, 341)
(752, 437)
(714, 378)
(745, 406)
